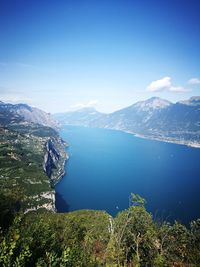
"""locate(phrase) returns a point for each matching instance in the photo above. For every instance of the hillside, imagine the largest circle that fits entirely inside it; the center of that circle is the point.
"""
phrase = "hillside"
(10, 113)
(154, 118)
(90, 238)
(32, 157)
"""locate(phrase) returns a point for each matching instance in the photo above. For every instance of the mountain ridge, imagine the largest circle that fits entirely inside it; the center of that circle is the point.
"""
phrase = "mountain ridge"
(155, 118)
(11, 113)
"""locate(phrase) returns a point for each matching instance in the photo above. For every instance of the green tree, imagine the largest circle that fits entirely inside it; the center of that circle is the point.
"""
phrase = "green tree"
(134, 234)
(162, 242)
(194, 248)
(178, 243)
(11, 254)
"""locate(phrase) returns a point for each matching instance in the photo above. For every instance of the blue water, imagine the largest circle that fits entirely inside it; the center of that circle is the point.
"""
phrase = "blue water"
(105, 166)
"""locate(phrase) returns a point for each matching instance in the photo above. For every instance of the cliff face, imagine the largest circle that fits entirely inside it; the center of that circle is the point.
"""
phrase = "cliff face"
(53, 166)
(54, 159)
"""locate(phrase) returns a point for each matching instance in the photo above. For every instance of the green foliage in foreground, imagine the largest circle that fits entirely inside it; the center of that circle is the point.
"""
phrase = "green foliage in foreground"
(93, 238)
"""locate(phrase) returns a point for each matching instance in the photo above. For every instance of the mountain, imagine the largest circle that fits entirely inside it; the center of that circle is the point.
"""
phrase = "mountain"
(193, 101)
(154, 118)
(85, 116)
(32, 157)
(10, 113)
(152, 104)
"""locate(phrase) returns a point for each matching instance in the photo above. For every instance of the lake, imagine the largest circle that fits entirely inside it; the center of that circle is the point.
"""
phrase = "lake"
(105, 166)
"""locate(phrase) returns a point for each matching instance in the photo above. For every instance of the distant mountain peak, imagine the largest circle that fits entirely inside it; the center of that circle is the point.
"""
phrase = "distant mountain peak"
(195, 99)
(152, 103)
(24, 113)
(158, 101)
(192, 101)
(87, 109)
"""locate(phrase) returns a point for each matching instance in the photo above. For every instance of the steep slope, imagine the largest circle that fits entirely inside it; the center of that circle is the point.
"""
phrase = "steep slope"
(135, 117)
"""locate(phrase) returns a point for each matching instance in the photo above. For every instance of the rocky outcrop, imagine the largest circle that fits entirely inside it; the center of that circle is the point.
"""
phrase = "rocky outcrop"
(53, 165)
(54, 159)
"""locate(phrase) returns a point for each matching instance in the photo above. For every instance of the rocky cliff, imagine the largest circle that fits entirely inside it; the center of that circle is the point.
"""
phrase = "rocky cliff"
(54, 159)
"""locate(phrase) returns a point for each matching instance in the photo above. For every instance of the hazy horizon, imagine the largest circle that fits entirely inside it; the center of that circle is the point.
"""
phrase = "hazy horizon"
(60, 56)
(90, 106)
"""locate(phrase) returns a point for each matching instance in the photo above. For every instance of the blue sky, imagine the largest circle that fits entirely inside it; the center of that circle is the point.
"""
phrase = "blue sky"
(61, 55)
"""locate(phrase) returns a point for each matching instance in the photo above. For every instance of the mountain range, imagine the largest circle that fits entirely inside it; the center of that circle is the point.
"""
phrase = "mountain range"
(18, 113)
(154, 118)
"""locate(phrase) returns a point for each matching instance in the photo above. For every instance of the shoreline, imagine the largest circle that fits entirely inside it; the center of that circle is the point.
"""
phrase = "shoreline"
(172, 141)
(147, 137)
(193, 145)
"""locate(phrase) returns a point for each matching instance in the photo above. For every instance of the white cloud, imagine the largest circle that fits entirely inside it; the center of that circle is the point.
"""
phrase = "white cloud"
(91, 103)
(194, 81)
(165, 84)
(160, 85)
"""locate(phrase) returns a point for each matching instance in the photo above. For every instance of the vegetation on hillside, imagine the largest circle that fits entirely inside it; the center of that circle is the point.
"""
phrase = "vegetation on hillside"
(93, 238)
(22, 176)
